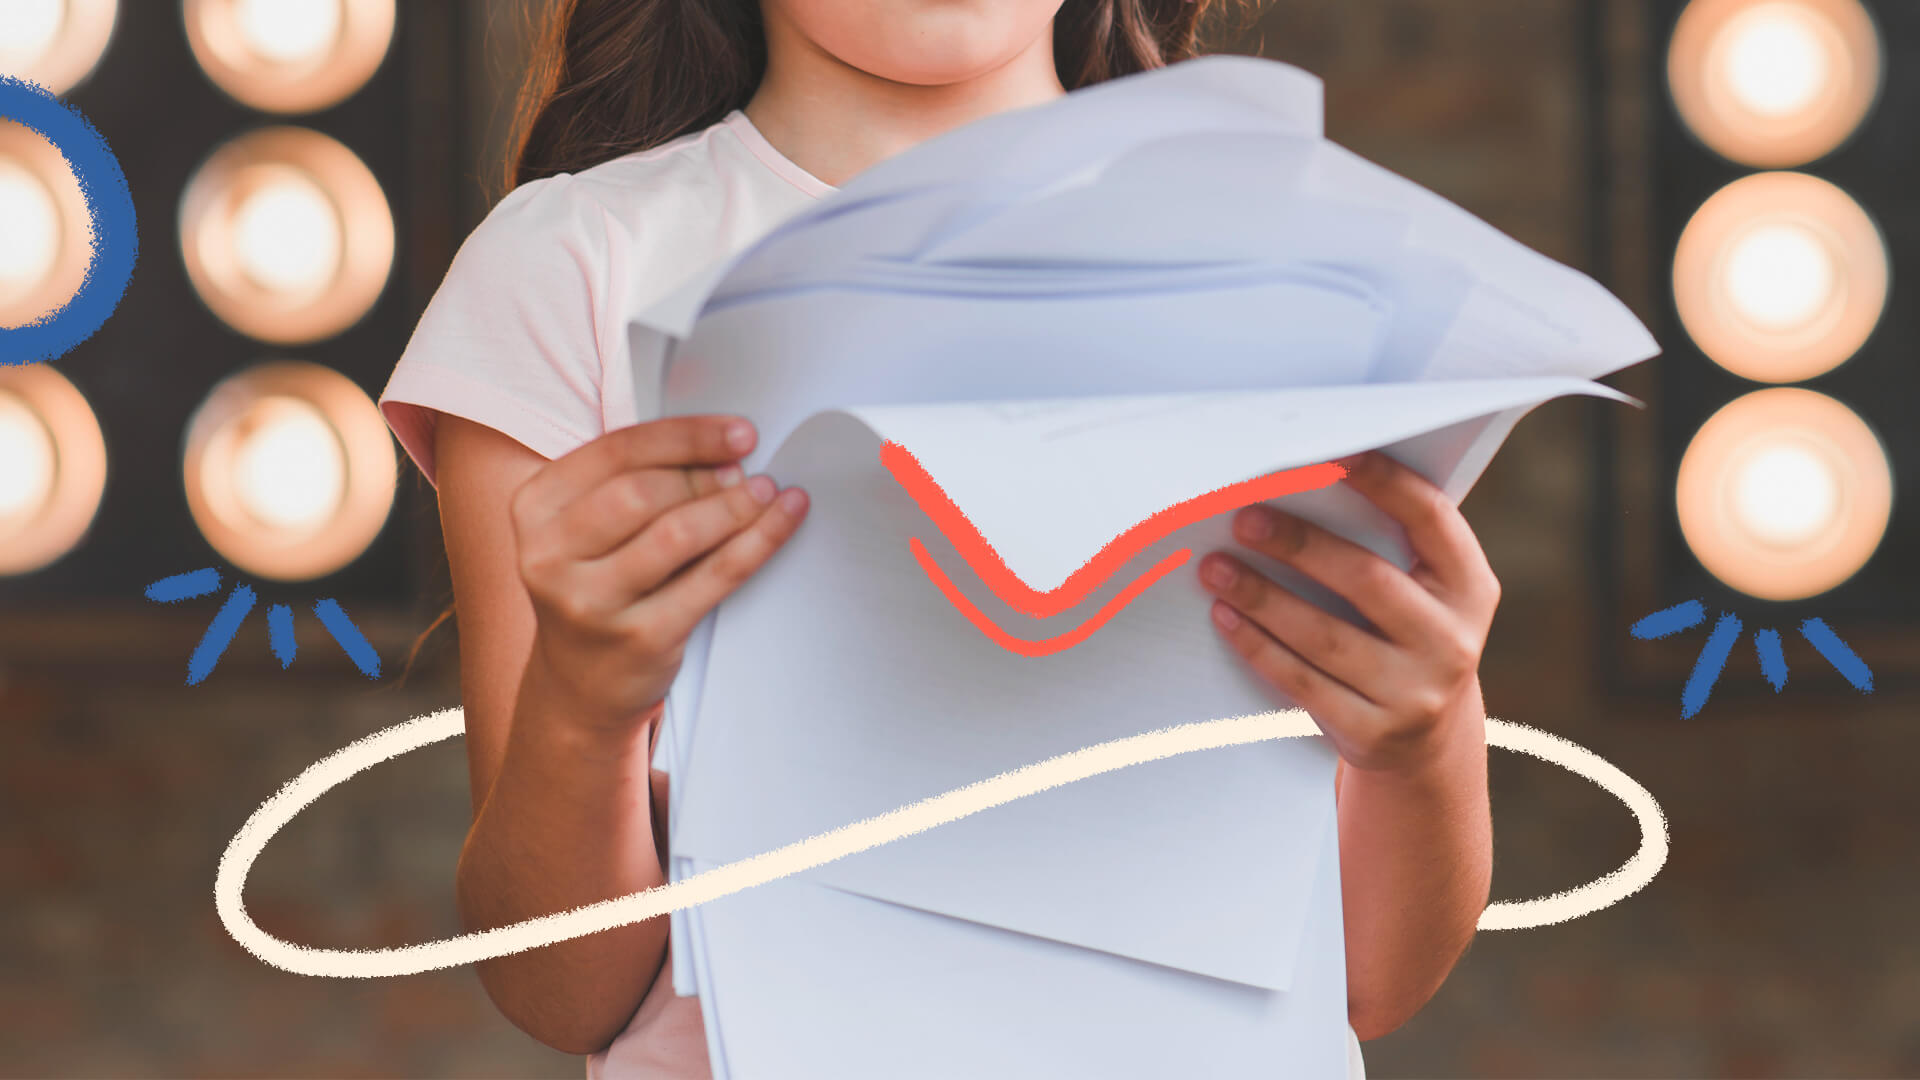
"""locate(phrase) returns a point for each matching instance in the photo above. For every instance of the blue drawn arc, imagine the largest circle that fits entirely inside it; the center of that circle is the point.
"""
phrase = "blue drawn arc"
(116, 243)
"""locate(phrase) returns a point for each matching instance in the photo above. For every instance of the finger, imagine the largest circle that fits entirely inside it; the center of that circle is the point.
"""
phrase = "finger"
(620, 507)
(681, 536)
(674, 609)
(1332, 703)
(1439, 534)
(676, 441)
(1405, 612)
(1328, 642)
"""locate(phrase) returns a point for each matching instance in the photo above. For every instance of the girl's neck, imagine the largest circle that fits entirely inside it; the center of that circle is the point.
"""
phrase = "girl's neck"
(834, 120)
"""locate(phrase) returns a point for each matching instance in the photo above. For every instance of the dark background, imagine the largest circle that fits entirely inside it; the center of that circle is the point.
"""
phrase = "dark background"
(1778, 940)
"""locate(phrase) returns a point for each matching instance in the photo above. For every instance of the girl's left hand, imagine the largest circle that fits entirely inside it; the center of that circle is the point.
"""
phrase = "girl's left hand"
(1387, 703)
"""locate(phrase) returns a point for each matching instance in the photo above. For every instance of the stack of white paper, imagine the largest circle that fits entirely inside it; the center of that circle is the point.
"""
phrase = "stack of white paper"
(1072, 316)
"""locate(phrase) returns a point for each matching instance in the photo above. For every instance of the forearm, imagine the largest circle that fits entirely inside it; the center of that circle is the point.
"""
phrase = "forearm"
(1416, 865)
(565, 824)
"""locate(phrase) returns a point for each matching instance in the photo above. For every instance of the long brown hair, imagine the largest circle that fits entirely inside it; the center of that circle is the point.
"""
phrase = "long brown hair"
(614, 77)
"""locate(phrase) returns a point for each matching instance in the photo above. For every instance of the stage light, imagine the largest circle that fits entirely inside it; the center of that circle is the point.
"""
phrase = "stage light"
(1774, 83)
(27, 447)
(290, 56)
(1784, 494)
(289, 31)
(31, 29)
(30, 221)
(1780, 277)
(55, 467)
(289, 470)
(286, 235)
(44, 222)
(56, 43)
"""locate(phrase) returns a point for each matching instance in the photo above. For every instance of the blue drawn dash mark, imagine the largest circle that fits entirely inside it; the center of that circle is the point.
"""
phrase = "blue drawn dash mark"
(1669, 621)
(349, 637)
(1843, 659)
(1713, 659)
(169, 590)
(219, 635)
(280, 633)
(1773, 663)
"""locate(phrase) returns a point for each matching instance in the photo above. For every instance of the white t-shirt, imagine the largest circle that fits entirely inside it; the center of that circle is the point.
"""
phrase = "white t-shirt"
(528, 335)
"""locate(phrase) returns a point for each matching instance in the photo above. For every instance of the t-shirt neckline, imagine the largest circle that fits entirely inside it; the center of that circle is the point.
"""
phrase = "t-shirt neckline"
(774, 159)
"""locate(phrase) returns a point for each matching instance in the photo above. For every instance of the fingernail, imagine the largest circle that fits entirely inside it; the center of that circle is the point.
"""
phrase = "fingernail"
(1225, 616)
(1218, 574)
(728, 476)
(792, 499)
(1256, 523)
(761, 488)
(740, 436)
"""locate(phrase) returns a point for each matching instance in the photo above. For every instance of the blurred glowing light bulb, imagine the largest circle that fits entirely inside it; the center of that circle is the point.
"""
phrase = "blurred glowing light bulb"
(30, 226)
(1785, 495)
(289, 472)
(27, 30)
(289, 31)
(288, 236)
(1775, 83)
(1780, 276)
(1775, 63)
(26, 447)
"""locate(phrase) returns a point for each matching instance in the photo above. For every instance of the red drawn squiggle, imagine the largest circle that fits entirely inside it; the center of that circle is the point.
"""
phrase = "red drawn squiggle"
(1045, 646)
(978, 554)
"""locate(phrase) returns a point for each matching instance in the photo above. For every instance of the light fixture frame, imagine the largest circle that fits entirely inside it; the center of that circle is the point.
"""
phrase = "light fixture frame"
(419, 124)
(1650, 174)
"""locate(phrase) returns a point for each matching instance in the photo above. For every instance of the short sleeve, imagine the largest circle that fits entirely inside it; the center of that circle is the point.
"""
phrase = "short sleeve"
(511, 338)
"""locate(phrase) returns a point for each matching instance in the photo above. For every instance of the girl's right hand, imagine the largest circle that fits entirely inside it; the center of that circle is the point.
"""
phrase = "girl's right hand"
(626, 543)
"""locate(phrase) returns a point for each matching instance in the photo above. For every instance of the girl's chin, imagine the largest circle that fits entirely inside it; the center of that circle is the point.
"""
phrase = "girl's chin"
(929, 48)
(926, 65)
